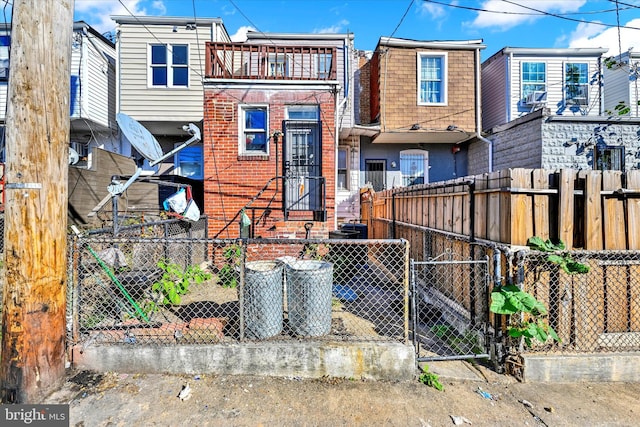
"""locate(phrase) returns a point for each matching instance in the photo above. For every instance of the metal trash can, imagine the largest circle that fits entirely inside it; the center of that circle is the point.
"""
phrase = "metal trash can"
(309, 291)
(262, 299)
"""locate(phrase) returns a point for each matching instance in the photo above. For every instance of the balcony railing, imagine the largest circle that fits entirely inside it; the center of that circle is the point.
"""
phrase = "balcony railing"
(270, 62)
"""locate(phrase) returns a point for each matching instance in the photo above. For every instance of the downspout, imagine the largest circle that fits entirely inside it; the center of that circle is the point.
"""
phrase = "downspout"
(479, 112)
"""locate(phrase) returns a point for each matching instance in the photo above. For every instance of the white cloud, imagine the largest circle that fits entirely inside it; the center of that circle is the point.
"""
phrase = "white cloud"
(97, 12)
(241, 34)
(590, 35)
(159, 6)
(433, 10)
(336, 28)
(510, 15)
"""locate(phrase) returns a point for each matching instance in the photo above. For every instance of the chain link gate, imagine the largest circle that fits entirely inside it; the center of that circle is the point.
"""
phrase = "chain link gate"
(450, 307)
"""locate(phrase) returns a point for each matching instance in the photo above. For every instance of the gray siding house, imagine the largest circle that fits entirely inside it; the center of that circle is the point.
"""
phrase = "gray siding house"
(621, 84)
(548, 108)
(518, 81)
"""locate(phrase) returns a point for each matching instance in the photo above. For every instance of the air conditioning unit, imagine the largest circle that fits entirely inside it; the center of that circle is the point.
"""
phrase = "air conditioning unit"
(536, 97)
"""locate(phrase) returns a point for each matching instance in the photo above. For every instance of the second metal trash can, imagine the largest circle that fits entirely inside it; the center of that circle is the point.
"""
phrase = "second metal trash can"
(262, 299)
(309, 292)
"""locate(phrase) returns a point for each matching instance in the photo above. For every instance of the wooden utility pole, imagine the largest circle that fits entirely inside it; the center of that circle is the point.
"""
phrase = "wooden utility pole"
(37, 158)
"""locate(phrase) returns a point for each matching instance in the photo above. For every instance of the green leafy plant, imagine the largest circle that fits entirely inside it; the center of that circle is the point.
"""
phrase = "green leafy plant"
(510, 299)
(229, 275)
(565, 261)
(175, 281)
(430, 379)
(460, 343)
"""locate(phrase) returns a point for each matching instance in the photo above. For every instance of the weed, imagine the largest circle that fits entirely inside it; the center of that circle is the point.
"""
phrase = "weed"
(229, 275)
(430, 379)
(175, 281)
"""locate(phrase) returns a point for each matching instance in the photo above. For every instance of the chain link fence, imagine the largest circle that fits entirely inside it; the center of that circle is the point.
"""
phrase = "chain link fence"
(596, 311)
(164, 291)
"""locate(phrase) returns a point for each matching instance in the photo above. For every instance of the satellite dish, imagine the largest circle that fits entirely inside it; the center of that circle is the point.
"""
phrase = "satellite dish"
(139, 137)
(73, 156)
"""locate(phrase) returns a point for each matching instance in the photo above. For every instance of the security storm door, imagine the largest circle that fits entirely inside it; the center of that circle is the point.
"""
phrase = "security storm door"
(303, 183)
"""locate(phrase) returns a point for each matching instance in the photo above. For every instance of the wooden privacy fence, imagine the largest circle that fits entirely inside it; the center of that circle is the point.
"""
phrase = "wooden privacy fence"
(586, 209)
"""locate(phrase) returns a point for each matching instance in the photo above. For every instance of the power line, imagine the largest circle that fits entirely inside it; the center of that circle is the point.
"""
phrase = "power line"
(538, 13)
(402, 19)
(555, 15)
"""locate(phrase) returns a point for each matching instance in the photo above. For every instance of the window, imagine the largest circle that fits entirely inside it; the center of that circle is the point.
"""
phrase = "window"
(324, 66)
(190, 162)
(534, 78)
(5, 43)
(343, 168)
(303, 112)
(278, 65)
(432, 81)
(253, 132)
(576, 78)
(608, 158)
(413, 166)
(169, 65)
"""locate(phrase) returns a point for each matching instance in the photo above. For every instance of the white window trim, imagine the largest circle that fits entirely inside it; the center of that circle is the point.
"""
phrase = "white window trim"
(241, 142)
(546, 76)
(564, 77)
(347, 179)
(425, 156)
(176, 163)
(279, 59)
(169, 66)
(445, 77)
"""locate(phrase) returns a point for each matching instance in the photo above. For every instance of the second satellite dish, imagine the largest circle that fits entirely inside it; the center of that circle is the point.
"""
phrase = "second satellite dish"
(141, 139)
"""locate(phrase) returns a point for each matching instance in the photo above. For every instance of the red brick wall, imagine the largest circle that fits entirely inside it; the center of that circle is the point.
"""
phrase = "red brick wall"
(231, 181)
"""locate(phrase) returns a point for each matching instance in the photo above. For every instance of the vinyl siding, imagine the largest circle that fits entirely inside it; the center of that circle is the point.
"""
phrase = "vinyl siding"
(146, 103)
(95, 94)
(494, 84)
(619, 86)
(502, 86)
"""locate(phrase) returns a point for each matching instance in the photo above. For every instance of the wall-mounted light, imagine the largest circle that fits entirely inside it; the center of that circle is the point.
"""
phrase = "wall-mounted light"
(393, 164)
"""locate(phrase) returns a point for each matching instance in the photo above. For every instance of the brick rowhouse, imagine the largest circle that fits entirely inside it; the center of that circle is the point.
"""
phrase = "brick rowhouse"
(233, 180)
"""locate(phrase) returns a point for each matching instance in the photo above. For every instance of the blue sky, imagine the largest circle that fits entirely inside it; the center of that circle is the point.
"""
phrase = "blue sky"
(499, 23)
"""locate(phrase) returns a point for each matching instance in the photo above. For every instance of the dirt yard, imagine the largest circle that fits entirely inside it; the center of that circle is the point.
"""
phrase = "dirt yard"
(114, 399)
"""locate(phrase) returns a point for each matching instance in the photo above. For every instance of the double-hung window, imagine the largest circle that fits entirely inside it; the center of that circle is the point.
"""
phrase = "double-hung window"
(324, 66)
(168, 65)
(254, 139)
(432, 79)
(576, 78)
(190, 162)
(534, 81)
(343, 168)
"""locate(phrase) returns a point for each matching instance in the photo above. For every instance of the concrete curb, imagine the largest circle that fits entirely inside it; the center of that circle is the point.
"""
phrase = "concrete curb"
(368, 360)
